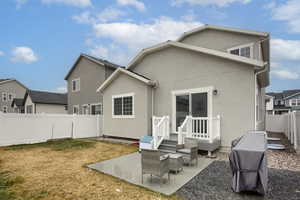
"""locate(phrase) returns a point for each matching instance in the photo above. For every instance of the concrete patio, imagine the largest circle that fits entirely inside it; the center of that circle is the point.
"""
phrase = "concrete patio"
(128, 168)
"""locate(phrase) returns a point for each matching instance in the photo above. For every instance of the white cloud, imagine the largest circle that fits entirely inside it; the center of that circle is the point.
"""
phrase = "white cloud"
(62, 89)
(288, 12)
(135, 3)
(220, 3)
(20, 3)
(285, 74)
(110, 14)
(1, 53)
(99, 51)
(84, 18)
(127, 38)
(77, 3)
(137, 36)
(23, 54)
(285, 49)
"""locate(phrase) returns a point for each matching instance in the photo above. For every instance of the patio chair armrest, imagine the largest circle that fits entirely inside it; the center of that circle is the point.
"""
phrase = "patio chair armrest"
(164, 157)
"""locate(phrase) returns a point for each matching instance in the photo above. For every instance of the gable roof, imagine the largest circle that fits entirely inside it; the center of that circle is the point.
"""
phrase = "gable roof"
(42, 97)
(221, 28)
(198, 49)
(130, 73)
(285, 94)
(98, 61)
(17, 101)
(3, 81)
(290, 93)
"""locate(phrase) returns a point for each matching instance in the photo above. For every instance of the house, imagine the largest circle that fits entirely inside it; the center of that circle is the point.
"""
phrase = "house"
(278, 103)
(17, 105)
(45, 102)
(9, 90)
(83, 79)
(210, 75)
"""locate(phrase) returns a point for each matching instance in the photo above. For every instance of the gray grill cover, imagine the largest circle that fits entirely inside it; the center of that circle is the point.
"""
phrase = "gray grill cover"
(248, 162)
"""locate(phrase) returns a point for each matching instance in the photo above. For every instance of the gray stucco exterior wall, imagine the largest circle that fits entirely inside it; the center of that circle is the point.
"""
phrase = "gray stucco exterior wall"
(222, 40)
(91, 77)
(11, 87)
(178, 69)
(135, 127)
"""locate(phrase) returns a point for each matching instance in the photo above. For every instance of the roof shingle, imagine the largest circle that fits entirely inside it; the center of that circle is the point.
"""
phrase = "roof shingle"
(47, 97)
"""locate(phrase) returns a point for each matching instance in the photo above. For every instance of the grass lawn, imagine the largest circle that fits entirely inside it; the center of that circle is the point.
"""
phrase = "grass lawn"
(56, 170)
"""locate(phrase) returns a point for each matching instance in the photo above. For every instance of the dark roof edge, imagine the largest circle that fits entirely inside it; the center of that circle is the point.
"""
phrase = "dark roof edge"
(93, 59)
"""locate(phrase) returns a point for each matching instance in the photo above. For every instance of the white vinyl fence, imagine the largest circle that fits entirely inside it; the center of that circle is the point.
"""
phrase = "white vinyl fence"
(289, 124)
(34, 128)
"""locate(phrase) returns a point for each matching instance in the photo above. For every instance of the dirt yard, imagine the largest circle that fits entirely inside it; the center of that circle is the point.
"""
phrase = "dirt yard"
(57, 171)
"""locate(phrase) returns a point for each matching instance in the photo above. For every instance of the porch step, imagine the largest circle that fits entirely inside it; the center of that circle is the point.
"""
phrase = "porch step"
(166, 151)
(170, 146)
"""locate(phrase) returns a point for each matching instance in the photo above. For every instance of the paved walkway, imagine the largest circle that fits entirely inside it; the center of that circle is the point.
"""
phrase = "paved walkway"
(128, 168)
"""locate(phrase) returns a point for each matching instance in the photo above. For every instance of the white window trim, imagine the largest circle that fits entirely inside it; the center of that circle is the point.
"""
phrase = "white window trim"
(89, 109)
(4, 93)
(75, 106)
(297, 101)
(251, 45)
(123, 95)
(76, 89)
(12, 96)
(208, 90)
(95, 104)
(6, 108)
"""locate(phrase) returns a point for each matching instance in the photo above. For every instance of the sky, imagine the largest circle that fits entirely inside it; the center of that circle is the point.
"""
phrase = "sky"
(41, 39)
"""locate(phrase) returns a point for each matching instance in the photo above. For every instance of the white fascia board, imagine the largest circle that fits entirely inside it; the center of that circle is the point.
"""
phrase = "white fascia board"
(114, 75)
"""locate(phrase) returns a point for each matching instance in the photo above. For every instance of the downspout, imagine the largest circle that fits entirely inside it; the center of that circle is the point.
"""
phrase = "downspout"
(264, 69)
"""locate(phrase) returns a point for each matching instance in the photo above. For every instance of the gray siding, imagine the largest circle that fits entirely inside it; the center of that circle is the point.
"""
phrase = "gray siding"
(221, 40)
(91, 77)
(177, 69)
(135, 127)
(11, 87)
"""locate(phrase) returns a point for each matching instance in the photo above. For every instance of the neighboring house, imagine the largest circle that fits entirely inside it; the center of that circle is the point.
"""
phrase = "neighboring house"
(208, 72)
(17, 105)
(10, 89)
(45, 102)
(86, 75)
(278, 103)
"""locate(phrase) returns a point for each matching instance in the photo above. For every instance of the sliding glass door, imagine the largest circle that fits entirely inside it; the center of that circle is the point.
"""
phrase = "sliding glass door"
(194, 104)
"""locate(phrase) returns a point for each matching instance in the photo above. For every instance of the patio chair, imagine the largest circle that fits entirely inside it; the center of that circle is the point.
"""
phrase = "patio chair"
(189, 150)
(154, 163)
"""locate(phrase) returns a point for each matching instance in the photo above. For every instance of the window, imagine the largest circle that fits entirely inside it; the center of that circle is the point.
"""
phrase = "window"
(295, 102)
(76, 109)
(85, 109)
(4, 96)
(123, 106)
(11, 96)
(76, 85)
(245, 50)
(5, 109)
(96, 109)
(29, 109)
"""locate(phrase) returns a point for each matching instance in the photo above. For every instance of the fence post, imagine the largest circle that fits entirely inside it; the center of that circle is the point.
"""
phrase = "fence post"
(98, 127)
(73, 126)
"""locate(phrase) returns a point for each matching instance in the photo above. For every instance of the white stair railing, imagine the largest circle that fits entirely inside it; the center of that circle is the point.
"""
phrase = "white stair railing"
(160, 130)
(202, 128)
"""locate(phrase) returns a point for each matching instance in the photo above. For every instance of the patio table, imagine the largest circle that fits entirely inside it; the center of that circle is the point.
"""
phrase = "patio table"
(248, 162)
(175, 162)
